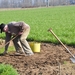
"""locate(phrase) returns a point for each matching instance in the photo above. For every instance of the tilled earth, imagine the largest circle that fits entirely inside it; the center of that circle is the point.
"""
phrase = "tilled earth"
(52, 60)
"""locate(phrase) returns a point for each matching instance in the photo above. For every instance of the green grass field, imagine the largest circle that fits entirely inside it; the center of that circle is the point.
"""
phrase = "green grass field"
(61, 19)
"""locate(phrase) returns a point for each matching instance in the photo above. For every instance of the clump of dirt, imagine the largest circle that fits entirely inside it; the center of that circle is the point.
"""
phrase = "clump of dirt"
(52, 60)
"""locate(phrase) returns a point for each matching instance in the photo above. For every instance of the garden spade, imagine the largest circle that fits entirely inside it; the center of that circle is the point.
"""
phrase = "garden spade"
(73, 57)
(10, 41)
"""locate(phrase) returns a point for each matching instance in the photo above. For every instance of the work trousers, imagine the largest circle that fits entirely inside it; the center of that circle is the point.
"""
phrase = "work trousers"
(20, 42)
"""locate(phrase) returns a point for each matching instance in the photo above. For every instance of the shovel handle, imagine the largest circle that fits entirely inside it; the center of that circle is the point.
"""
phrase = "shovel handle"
(56, 37)
(60, 42)
(10, 40)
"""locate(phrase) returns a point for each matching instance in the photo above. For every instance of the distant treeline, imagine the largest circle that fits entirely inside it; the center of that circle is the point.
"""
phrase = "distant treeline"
(33, 3)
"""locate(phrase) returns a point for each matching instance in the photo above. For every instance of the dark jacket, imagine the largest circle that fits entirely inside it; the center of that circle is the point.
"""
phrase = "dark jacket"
(13, 29)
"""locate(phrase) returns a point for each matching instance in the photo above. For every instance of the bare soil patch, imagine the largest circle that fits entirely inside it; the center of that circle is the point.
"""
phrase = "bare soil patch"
(52, 60)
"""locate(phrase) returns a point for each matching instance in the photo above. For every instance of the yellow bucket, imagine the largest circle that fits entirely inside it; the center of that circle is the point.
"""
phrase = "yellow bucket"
(35, 46)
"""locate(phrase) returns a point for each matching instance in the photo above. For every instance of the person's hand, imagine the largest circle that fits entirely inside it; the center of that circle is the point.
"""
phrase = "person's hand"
(20, 33)
(13, 34)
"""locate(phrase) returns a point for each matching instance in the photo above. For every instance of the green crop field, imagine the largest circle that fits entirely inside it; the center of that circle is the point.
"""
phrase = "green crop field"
(61, 19)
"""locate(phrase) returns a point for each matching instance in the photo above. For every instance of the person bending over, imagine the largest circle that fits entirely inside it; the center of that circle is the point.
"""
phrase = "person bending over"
(21, 30)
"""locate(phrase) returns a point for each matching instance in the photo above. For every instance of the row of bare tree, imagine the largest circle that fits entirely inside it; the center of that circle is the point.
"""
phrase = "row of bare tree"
(33, 3)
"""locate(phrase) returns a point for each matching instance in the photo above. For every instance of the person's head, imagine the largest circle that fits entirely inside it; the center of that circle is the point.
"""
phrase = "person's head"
(2, 25)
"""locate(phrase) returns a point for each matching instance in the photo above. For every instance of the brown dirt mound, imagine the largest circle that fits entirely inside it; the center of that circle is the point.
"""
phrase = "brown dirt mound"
(52, 60)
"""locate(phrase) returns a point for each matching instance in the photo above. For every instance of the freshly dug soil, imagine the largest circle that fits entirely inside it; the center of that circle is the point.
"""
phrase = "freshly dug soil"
(51, 60)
